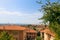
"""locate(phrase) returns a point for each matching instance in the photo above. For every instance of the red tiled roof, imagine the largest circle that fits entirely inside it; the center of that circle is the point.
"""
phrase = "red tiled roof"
(15, 27)
(48, 31)
(30, 30)
(12, 27)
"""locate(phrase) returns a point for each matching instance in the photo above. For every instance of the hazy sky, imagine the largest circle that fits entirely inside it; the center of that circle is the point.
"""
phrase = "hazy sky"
(19, 11)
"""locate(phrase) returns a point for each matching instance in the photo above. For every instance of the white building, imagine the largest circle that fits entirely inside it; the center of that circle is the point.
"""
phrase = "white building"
(47, 34)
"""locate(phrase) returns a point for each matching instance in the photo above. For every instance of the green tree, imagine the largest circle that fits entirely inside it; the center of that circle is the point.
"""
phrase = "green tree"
(52, 15)
(5, 36)
(38, 38)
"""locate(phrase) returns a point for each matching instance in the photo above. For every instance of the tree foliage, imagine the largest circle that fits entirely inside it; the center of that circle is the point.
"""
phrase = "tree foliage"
(5, 36)
(38, 38)
(52, 15)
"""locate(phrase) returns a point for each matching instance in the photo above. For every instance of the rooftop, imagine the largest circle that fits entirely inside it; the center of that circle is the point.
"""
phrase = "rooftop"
(11, 27)
(16, 27)
(48, 31)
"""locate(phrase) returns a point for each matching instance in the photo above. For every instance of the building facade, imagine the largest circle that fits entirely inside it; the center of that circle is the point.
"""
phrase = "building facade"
(47, 34)
(18, 32)
(31, 34)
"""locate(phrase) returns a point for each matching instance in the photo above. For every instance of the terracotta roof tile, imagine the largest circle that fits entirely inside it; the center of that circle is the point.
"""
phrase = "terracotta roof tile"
(48, 31)
(30, 30)
(15, 27)
(12, 27)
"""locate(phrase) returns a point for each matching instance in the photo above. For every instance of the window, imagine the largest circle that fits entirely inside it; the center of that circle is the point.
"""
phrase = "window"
(42, 35)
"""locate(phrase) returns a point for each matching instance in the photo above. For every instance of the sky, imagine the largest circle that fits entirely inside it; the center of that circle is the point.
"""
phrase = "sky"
(20, 12)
